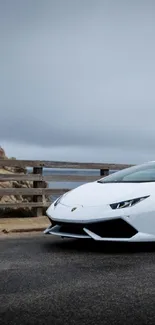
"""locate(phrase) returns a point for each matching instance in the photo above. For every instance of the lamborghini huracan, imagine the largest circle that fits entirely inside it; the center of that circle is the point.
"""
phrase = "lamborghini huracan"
(118, 207)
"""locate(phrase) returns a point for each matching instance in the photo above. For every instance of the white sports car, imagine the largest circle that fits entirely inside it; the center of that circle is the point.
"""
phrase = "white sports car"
(119, 207)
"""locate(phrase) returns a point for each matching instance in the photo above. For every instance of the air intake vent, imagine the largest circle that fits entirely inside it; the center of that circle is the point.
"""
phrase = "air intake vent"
(77, 230)
(117, 228)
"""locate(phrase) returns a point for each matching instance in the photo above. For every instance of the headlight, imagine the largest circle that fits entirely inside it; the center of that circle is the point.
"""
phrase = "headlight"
(59, 199)
(128, 203)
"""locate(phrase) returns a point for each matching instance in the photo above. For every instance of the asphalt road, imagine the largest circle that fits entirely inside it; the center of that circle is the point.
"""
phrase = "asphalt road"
(46, 280)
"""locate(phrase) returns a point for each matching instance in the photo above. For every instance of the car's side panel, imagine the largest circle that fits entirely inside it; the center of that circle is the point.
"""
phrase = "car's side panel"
(143, 222)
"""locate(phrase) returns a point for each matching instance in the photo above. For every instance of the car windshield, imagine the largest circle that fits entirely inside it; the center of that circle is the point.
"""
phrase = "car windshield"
(136, 174)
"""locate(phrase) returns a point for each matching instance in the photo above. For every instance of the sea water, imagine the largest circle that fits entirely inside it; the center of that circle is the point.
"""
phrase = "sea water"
(67, 185)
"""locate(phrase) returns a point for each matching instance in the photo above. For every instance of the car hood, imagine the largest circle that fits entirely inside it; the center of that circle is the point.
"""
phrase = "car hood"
(96, 194)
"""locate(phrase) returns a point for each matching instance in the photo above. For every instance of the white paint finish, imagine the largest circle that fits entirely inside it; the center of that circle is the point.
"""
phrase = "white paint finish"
(92, 202)
(96, 194)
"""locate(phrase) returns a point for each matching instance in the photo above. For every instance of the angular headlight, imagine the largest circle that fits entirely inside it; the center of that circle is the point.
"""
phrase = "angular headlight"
(57, 201)
(59, 198)
(128, 203)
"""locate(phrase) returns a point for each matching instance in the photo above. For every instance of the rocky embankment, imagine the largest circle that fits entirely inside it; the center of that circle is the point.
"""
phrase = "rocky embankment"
(15, 184)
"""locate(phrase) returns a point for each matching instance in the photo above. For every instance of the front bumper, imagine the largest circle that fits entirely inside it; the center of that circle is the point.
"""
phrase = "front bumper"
(101, 224)
(113, 230)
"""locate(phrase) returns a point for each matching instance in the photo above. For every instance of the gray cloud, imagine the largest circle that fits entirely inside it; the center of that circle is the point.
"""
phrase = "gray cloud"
(78, 73)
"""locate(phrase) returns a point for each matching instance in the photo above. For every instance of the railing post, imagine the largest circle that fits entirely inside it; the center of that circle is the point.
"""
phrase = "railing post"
(38, 198)
(104, 172)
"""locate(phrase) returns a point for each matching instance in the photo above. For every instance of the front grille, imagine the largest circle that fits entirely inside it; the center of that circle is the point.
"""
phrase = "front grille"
(77, 230)
(116, 228)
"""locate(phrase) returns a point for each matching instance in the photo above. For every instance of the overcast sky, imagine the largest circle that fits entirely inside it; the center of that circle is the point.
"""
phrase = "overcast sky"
(77, 79)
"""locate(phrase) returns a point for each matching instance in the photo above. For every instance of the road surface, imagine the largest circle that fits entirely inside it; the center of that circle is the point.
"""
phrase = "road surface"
(47, 280)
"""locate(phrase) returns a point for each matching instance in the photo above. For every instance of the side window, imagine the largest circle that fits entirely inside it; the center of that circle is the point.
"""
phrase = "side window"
(143, 175)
